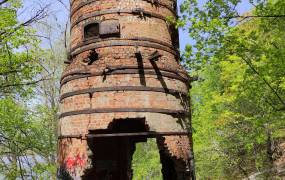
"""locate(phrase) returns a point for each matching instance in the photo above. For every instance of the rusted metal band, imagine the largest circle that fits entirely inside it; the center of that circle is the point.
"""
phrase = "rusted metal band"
(152, 134)
(122, 88)
(82, 4)
(102, 40)
(127, 71)
(176, 113)
(125, 43)
(120, 67)
(72, 136)
(118, 11)
(148, 134)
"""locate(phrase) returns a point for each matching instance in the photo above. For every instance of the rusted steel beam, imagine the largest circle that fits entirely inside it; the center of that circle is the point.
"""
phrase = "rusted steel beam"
(123, 42)
(176, 113)
(122, 88)
(126, 71)
(82, 4)
(148, 134)
(71, 136)
(100, 40)
(118, 11)
(151, 134)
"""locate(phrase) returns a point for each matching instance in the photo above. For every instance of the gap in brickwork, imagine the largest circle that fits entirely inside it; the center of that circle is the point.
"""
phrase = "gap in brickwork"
(91, 31)
(111, 157)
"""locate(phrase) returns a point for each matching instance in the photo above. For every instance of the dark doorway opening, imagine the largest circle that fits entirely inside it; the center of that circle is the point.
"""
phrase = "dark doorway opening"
(112, 156)
(111, 152)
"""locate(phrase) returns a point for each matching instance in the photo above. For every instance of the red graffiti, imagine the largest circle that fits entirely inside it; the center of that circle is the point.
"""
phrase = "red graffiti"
(73, 162)
(69, 163)
(80, 161)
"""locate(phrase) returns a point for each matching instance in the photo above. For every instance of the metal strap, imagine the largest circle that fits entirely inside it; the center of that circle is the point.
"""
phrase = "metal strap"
(120, 67)
(82, 4)
(152, 134)
(125, 71)
(118, 11)
(181, 113)
(148, 134)
(118, 42)
(100, 40)
(122, 88)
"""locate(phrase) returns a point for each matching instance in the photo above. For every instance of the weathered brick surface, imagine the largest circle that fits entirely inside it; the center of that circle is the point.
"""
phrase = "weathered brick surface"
(73, 156)
(123, 4)
(80, 124)
(122, 80)
(130, 26)
(128, 99)
(122, 55)
(123, 60)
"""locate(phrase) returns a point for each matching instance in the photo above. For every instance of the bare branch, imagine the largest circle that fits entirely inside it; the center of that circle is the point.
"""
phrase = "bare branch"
(40, 14)
(255, 16)
(23, 84)
(3, 2)
(64, 5)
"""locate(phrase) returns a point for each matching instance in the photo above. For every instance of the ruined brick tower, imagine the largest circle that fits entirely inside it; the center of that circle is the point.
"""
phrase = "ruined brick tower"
(123, 84)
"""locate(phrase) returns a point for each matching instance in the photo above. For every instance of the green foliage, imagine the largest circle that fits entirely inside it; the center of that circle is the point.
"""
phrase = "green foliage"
(18, 63)
(146, 161)
(238, 103)
(27, 134)
(22, 141)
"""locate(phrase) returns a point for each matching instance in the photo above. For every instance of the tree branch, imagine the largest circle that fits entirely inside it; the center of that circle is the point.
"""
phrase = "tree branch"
(3, 2)
(256, 16)
(22, 84)
(40, 14)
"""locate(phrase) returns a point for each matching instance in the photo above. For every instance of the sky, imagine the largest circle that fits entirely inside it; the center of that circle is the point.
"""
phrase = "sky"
(60, 15)
(184, 38)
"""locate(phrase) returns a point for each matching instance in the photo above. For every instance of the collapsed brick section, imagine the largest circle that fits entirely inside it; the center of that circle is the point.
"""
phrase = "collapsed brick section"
(123, 84)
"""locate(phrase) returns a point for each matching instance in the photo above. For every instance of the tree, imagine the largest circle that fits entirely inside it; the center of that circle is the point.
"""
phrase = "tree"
(238, 101)
(146, 162)
(18, 45)
(26, 147)
(47, 108)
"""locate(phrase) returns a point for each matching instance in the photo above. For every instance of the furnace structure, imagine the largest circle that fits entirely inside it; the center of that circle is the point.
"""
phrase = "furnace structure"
(123, 84)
